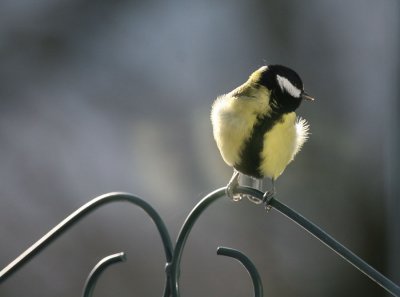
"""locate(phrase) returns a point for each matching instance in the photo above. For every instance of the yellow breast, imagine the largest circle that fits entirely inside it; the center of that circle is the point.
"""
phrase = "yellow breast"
(280, 145)
(233, 120)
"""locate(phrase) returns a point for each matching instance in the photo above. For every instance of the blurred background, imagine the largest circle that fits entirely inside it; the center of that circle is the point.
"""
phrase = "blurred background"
(101, 96)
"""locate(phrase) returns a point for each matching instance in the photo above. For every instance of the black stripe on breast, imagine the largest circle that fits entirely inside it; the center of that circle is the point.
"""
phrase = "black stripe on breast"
(250, 160)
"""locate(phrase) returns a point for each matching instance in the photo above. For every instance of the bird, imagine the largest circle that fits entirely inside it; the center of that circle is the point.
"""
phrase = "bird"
(256, 128)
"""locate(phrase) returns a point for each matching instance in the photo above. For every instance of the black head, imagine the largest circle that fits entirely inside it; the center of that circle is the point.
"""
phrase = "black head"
(286, 88)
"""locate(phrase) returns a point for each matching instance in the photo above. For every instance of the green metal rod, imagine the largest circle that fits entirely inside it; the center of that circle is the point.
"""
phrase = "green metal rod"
(173, 267)
(174, 256)
(250, 267)
(98, 270)
(79, 214)
(329, 241)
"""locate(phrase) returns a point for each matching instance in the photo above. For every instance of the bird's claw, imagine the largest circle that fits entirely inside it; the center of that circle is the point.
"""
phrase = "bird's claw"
(267, 197)
(232, 186)
(230, 192)
(253, 199)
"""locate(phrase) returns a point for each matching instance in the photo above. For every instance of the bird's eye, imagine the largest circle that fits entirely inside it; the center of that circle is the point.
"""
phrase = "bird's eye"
(288, 87)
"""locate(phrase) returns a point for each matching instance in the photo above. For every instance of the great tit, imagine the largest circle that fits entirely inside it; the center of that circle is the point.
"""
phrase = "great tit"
(256, 128)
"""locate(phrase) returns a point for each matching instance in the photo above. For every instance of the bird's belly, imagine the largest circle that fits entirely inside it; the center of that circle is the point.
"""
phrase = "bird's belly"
(233, 119)
(231, 134)
(278, 147)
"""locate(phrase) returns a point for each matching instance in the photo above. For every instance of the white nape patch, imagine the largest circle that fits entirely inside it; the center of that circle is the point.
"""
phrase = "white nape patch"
(287, 86)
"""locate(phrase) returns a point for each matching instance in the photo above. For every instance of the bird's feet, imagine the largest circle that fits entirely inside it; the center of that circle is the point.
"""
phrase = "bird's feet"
(267, 197)
(254, 200)
(232, 186)
(230, 192)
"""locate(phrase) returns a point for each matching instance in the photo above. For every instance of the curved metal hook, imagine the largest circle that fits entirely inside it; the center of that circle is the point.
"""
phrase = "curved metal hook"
(79, 214)
(98, 270)
(328, 240)
(174, 256)
(310, 227)
(184, 233)
(246, 262)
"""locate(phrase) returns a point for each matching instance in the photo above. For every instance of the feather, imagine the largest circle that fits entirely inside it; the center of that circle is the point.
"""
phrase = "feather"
(302, 134)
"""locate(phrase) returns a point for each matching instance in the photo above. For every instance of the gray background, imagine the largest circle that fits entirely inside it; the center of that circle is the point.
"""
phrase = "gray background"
(99, 96)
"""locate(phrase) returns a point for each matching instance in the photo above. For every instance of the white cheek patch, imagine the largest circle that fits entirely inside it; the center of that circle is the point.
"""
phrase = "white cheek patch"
(287, 86)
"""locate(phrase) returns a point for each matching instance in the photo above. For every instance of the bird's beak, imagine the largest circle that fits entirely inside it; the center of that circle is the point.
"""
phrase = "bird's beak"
(307, 97)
